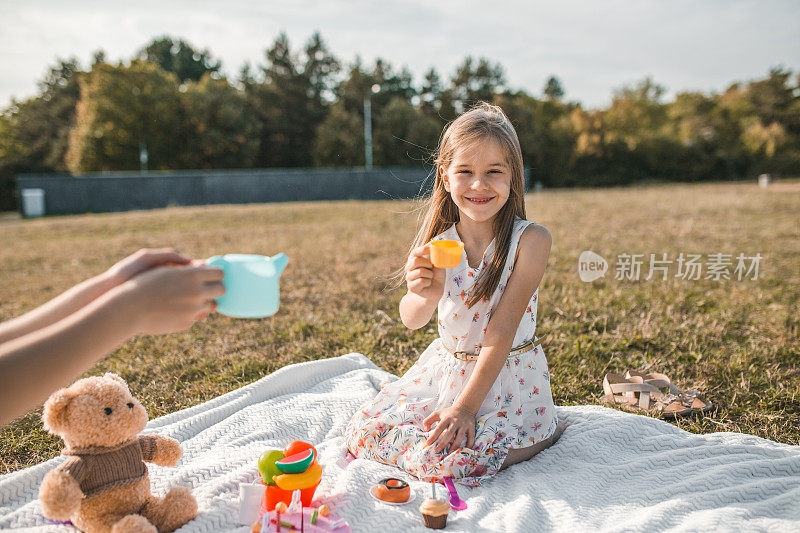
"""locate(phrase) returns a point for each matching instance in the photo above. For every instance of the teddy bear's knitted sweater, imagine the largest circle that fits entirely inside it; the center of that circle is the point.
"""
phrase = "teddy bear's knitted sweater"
(99, 468)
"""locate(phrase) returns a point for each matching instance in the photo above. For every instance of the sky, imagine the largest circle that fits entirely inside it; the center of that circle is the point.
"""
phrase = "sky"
(592, 46)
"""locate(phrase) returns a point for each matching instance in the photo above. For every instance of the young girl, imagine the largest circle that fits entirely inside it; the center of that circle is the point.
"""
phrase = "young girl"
(478, 399)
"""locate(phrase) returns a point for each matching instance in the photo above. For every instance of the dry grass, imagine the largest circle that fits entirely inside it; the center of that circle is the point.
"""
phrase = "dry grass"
(737, 340)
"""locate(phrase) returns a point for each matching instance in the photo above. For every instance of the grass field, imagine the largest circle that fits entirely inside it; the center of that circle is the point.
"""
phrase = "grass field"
(735, 340)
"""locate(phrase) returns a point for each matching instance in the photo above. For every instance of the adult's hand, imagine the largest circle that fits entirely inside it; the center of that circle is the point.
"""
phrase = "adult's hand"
(168, 299)
(142, 260)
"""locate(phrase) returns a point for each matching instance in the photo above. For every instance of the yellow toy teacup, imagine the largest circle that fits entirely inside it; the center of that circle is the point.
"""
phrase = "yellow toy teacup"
(446, 253)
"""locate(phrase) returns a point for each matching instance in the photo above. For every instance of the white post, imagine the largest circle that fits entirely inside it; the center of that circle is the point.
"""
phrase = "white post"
(143, 157)
(367, 132)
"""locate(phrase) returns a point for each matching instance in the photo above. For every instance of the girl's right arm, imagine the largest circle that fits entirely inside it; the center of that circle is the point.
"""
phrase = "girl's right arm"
(425, 285)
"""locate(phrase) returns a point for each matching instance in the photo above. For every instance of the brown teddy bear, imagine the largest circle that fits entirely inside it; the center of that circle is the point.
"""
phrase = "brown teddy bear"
(104, 485)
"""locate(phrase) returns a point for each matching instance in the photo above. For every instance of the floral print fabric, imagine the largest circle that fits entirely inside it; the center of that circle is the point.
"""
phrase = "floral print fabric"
(517, 412)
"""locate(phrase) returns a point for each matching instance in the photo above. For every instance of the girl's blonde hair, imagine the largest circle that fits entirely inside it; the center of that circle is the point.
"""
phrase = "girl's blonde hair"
(483, 122)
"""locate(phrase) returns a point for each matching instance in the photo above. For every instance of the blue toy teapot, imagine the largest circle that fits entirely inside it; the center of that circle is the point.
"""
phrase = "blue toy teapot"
(251, 284)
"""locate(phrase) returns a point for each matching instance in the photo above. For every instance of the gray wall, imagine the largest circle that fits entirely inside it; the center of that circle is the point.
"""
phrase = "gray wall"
(124, 191)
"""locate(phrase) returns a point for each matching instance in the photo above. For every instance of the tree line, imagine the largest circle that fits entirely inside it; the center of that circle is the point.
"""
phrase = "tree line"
(303, 107)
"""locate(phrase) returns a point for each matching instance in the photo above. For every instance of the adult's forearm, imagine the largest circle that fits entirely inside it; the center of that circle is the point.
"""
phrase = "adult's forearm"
(56, 309)
(35, 365)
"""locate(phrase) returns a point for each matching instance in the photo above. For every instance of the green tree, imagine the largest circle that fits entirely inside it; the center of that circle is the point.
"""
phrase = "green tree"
(474, 81)
(43, 123)
(553, 89)
(275, 100)
(430, 94)
(339, 140)
(360, 81)
(435, 100)
(13, 159)
(35, 132)
(221, 132)
(636, 113)
(546, 144)
(770, 131)
(706, 145)
(404, 135)
(759, 124)
(690, 118)
(772, 99)
(352, 90)
(290, 100)
(179, 57)
(392, 84)
(319, 71)
(120, 107)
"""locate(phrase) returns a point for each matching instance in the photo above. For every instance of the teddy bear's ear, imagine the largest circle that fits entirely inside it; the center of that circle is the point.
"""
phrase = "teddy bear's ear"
(115, 377)
(54, 415)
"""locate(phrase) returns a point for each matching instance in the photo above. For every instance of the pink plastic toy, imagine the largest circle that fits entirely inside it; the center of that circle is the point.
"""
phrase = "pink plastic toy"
(298, 517)
(455, 502)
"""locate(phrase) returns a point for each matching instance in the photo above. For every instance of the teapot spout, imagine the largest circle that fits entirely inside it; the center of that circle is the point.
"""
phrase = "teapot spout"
(279, 261)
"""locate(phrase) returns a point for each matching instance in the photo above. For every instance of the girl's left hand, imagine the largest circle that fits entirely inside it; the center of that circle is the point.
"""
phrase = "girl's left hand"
(455, 423)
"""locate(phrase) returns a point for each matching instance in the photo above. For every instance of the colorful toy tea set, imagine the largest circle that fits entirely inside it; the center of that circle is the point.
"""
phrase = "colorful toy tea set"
(289, 479)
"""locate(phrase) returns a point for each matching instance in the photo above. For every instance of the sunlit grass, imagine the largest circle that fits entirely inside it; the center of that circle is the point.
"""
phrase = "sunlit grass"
(735, 340)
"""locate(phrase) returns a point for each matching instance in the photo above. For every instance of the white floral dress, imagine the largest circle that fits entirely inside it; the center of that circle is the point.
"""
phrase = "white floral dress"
(518, 410)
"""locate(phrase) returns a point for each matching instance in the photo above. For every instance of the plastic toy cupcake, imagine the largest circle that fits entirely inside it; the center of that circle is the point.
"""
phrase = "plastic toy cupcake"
(434, 511)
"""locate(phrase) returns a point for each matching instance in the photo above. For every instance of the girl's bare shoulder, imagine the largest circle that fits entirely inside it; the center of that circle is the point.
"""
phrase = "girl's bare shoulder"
(534, 243)
(535, 237)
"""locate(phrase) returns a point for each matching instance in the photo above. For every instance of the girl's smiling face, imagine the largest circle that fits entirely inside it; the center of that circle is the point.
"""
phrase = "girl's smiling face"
(478, 180)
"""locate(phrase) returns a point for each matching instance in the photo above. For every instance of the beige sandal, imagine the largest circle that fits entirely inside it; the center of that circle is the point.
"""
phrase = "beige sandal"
(633, 394)
(691, 398)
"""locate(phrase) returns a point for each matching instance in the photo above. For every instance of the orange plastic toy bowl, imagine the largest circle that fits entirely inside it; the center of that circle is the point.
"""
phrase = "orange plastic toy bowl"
(275, 494)
(446, 253)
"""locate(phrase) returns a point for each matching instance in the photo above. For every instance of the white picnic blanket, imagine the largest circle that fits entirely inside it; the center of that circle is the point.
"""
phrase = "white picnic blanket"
(610, 470)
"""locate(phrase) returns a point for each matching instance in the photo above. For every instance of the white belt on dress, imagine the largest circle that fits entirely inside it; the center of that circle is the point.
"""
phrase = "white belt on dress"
(469, 356)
